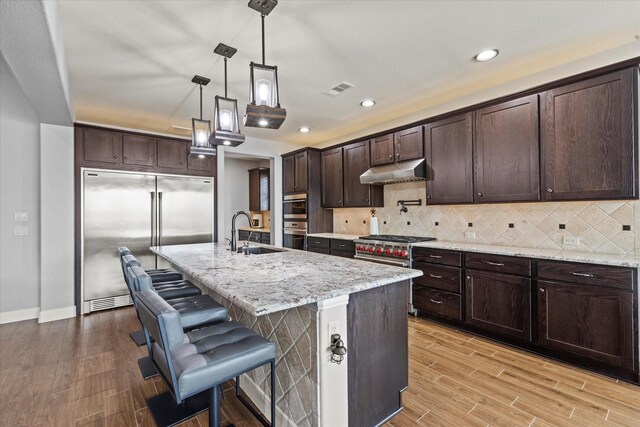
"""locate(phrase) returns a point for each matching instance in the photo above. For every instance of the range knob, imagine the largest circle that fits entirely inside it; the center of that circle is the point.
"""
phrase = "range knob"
(403, 253)
(370, 249)
(396, 252)
(388, 252)
(379, 250)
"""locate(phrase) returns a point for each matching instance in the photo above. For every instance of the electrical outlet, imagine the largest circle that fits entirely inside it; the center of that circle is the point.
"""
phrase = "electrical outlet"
(571, 241)
(20, 216)
(470, 235)
(334, 328)
(20, 230)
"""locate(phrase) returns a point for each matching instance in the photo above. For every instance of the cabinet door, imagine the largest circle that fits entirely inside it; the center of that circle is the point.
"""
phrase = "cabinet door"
(101, 146)
(301, 165)
(588, 149)
(139, 150)
(254, 190)
(499, 303)
(288, 174)
(382, 150)
(409, 144)
(356, 162)
(204, 164)
(172, 154)
(588, 321)
(449, 145)
(265, 191)
(332, 178)
(506, 152)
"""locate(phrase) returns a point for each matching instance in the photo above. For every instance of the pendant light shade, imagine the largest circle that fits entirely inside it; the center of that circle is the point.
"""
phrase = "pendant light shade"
(226, 129)
(200, 128)
(264, 108)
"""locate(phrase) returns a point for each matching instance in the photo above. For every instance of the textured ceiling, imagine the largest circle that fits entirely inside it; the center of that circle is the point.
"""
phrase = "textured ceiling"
(131, 62)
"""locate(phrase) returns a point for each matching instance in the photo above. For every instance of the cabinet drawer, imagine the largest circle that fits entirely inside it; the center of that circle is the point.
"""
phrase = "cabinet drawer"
(590, 274)
(499, 263)
(318, 242)
(440, 277)
(342, 253)
(343, 245)
(437, 302)
(437, 256)
(318, 250)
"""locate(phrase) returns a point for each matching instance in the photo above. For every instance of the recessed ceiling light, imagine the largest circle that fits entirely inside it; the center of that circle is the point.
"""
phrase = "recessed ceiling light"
(486, 55)
(368, 103)
(304, 129)
(263, 122)
(227, 143)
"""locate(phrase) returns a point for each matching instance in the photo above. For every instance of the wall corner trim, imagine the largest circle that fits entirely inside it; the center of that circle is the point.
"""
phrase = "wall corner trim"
(19, 315)
(57, 314)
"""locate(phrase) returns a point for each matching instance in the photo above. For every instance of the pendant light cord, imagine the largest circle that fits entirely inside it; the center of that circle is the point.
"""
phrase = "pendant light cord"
(200, 102)
(262, 17)
(225, 76)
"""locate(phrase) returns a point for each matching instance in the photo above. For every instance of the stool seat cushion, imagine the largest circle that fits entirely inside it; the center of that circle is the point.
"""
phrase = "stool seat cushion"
(178, 289)
(163, 275)
(216, 353)
(199, 310)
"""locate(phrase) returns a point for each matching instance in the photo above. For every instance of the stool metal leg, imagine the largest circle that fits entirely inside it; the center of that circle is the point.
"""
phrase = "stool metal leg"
(214, 407)
(273, 393)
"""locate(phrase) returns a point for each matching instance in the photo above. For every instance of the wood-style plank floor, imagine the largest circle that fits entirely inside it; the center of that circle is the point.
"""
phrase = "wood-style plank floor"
(83, 372)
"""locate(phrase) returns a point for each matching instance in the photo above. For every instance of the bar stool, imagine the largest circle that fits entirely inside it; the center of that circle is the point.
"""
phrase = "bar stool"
(157, 274)
(195, 364)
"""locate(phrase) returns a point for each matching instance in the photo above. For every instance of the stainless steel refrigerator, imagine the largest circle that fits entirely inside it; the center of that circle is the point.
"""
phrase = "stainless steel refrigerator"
(136, 210)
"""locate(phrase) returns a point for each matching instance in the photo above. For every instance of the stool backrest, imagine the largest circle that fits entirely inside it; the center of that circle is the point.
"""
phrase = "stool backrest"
(139, 280)
(161, 322)
(124, 251)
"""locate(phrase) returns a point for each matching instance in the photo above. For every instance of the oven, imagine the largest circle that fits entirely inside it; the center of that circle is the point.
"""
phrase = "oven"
(294, 239)
(294, 207)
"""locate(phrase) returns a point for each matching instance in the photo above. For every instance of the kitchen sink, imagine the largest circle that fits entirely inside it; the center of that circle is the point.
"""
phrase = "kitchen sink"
(259, 250)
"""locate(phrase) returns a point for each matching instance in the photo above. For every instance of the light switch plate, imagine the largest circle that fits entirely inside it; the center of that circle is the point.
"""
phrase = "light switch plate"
(20, 216)
(571, 241)
(20, 230)
(470, 235)
(334, 328)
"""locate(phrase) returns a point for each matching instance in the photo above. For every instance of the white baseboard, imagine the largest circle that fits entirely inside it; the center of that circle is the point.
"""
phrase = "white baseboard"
(19, 315)
(57, 314)
(263, 402)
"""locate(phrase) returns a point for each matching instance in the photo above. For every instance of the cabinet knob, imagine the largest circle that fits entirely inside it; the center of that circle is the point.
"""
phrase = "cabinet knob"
(468, 277)
(542, 290)
(124, 157)
(182, 163)
(549, 190)
(428, 197)
(115, 156)
(391, 156)
(480, 194)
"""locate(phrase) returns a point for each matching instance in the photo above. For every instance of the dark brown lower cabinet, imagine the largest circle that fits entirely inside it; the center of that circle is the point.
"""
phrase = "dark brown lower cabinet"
(500, 303)
(437, 302)
(592, 322)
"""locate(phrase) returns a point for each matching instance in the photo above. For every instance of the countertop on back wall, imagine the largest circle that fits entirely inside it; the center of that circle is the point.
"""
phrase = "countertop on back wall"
(619, 260)
(255, 230)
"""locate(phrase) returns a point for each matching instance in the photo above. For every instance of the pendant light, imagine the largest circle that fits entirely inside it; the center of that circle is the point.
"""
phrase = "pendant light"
(264, 109)
(201, 129)
(225, 111)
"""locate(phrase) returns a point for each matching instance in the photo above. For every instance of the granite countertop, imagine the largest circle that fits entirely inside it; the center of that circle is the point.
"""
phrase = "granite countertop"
(552, 254)
(255, 230)
(335, 236)
(267, 283)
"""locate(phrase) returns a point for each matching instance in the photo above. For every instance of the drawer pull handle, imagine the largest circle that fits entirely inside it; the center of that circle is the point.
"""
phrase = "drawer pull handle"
(582, 274)
(435, 277)
(498, 264)
(542, 290)
(435, 256)
(434, 301)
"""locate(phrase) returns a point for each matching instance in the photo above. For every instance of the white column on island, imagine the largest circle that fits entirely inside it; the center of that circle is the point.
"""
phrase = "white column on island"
(333, 393)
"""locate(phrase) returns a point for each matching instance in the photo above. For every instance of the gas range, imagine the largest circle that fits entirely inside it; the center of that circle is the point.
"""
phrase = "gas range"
(387, 249)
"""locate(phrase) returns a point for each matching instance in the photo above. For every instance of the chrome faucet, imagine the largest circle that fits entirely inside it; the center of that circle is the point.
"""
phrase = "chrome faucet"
(234, 245)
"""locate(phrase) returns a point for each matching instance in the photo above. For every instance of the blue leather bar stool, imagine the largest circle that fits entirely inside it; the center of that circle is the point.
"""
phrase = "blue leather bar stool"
(157, 274)
(169, 289)
(197, 363)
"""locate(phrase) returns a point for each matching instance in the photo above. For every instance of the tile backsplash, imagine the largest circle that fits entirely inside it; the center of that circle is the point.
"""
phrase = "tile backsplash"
(601, 226)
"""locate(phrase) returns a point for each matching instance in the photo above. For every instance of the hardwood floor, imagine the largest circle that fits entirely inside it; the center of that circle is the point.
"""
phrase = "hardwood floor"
(83, 372)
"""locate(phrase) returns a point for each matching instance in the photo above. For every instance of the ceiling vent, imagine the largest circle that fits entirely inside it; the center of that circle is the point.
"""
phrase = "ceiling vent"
(179, 130)
(338, 89)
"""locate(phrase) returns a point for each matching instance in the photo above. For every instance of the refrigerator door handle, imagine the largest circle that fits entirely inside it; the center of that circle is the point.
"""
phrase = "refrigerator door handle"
(153, 204)
(159, 218)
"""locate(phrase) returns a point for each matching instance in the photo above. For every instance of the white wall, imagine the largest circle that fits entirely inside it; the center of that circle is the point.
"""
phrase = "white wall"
(56, 223)
(236, 191)
(19, 191)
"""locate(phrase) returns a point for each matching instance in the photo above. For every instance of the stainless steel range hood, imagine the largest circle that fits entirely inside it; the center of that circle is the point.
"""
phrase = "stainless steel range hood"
(411, 170)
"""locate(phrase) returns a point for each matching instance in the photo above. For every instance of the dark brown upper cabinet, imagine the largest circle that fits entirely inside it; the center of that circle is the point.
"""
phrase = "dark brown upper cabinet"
(449, 154)
(172, 154)
(356, 162)
(332, 178)
(382, 151)
(294, 172)
(506, 152)
(588, 139)
(259, 189)
(102, 146)
(139, 150)
(201, 164)
(403, 145)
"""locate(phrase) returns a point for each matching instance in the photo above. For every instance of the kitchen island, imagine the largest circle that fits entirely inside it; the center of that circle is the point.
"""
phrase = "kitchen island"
(298, 300)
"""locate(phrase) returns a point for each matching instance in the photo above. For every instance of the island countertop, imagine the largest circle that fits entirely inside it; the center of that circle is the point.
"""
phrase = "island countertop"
(267, 283)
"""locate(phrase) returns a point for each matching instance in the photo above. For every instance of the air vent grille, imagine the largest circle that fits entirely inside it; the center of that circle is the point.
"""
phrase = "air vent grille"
(338, 89)
(110, 302)
(179, 130)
